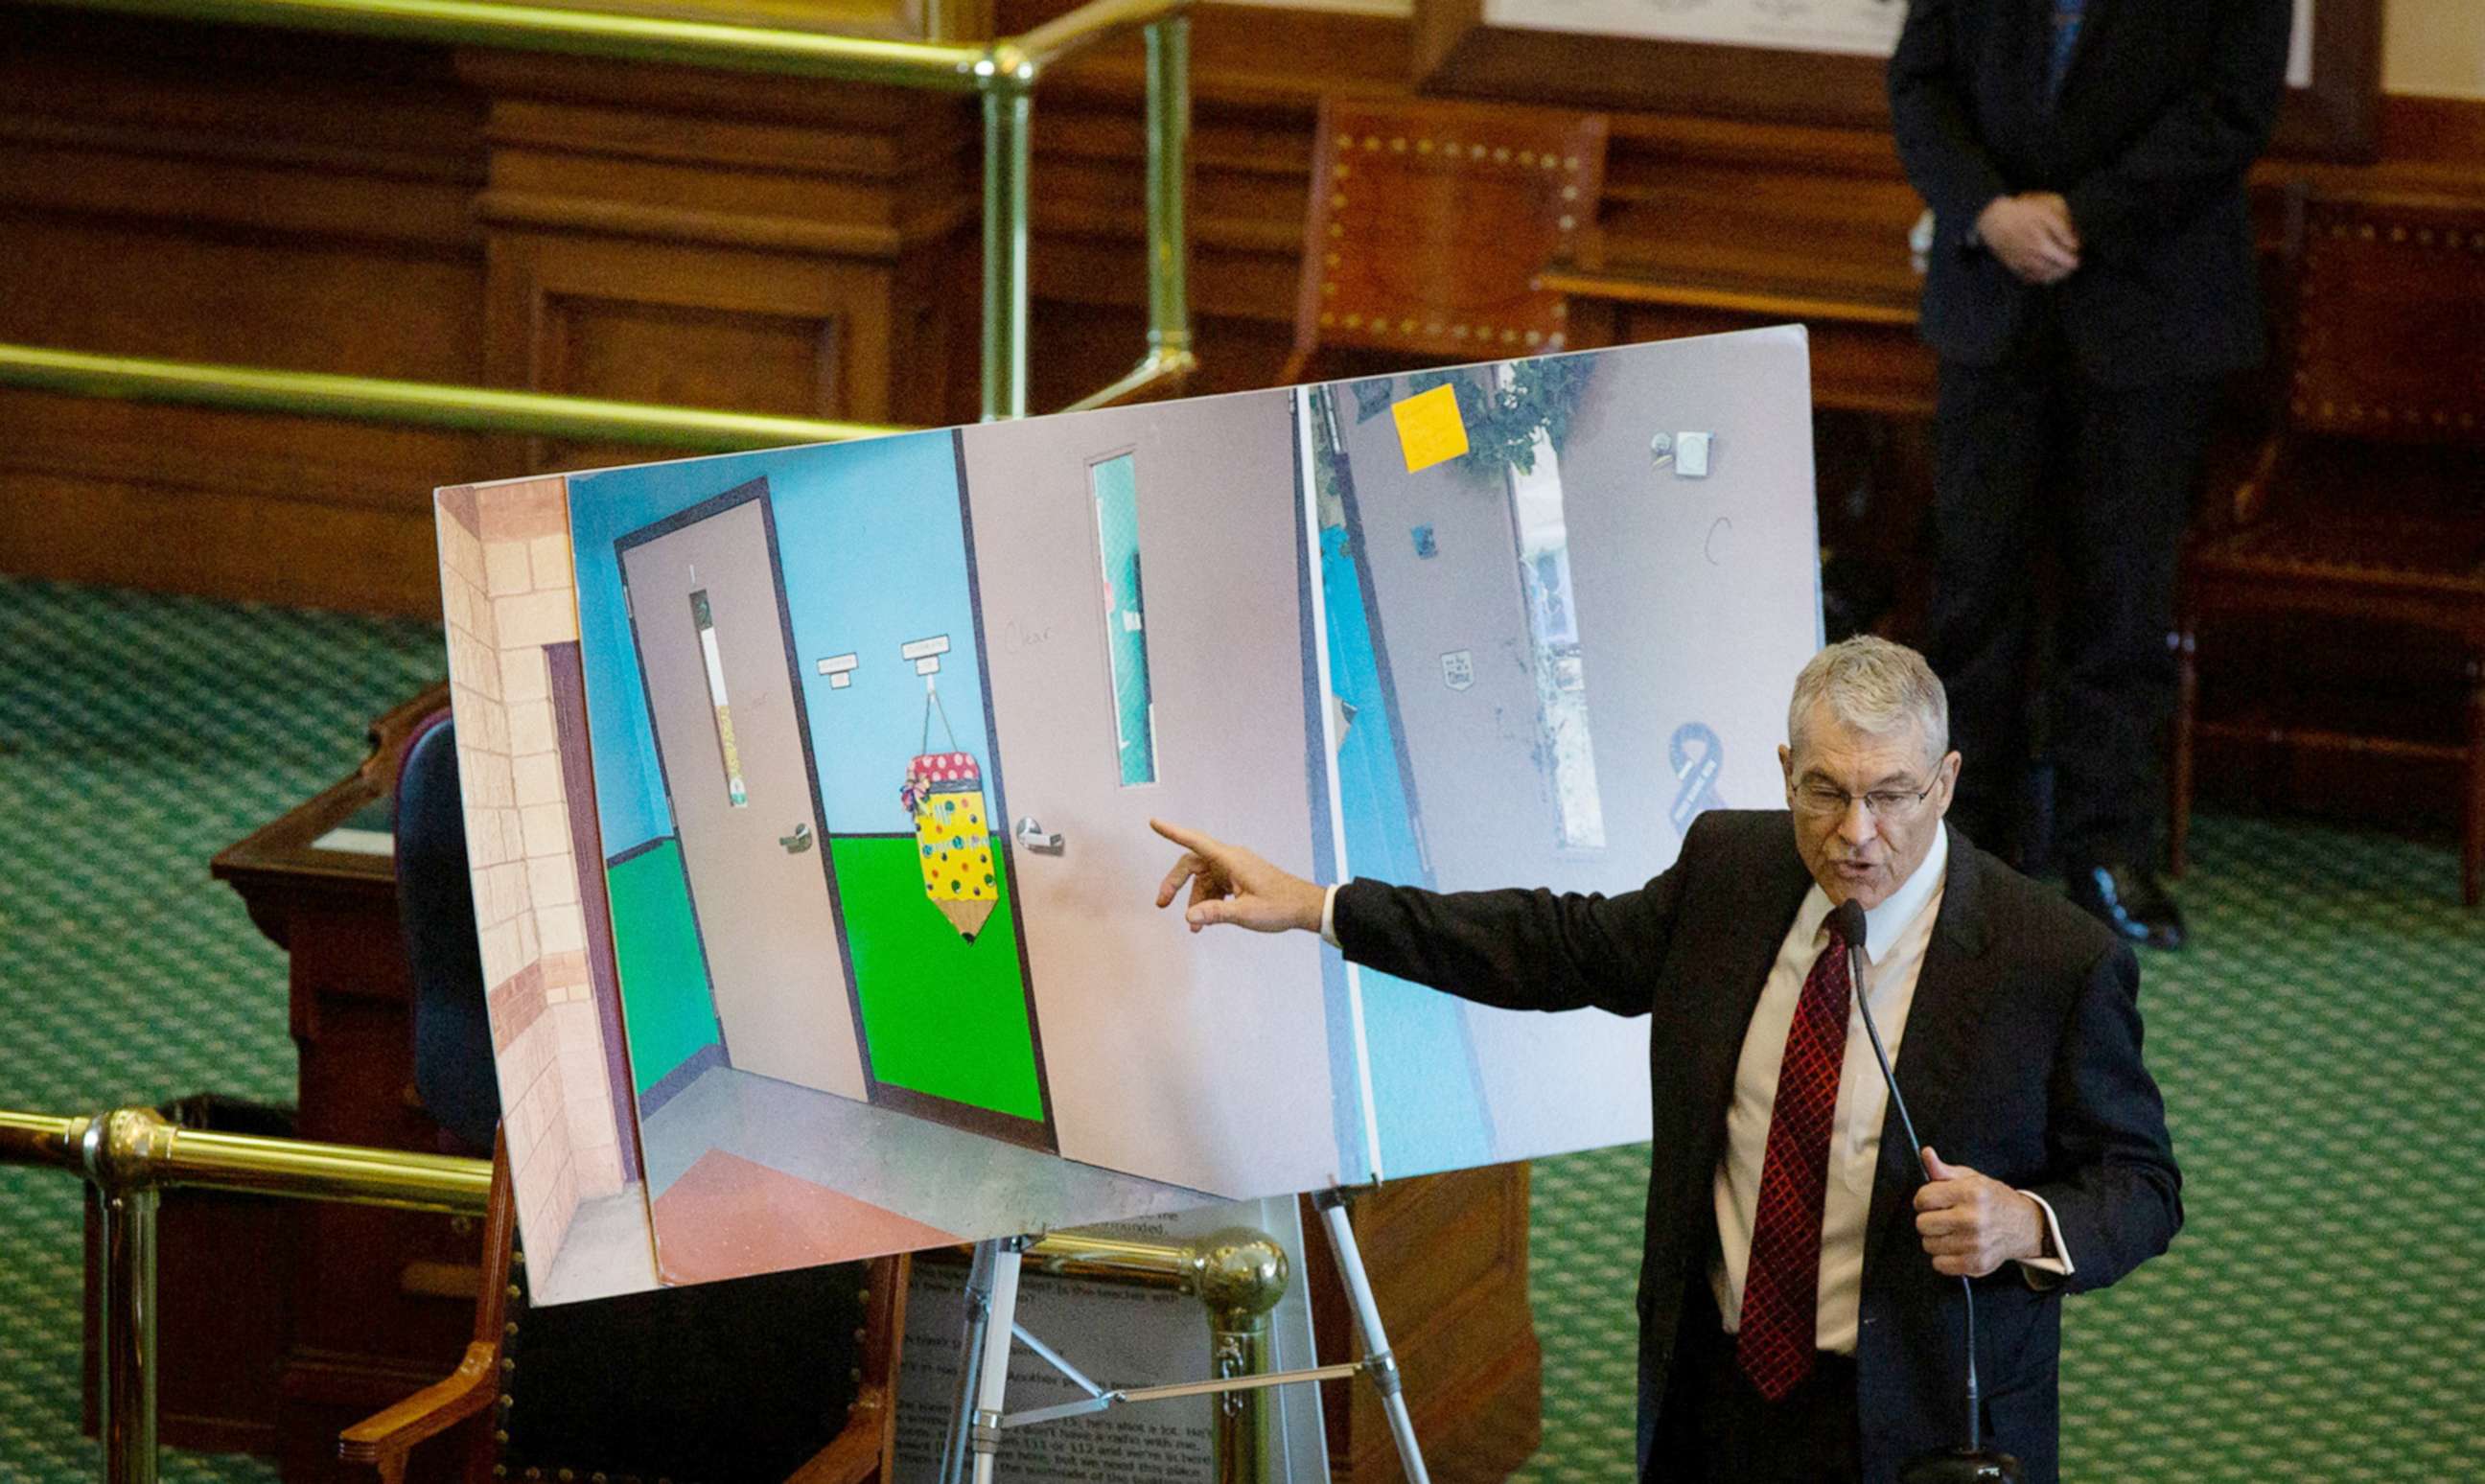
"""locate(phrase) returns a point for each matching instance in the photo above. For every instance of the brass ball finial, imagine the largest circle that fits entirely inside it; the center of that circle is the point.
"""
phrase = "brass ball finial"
(1239, 1269)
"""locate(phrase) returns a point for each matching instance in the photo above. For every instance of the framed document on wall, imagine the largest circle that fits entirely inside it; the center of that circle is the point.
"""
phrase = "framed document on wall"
(1810, 61)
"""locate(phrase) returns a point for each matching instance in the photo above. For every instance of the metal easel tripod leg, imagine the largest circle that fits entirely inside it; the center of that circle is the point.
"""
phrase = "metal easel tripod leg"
(977, 1314)
(983, 1363)
(1379, 1362)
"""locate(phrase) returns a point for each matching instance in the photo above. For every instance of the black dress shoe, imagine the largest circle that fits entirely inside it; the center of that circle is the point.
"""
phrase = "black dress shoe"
(2131, 901)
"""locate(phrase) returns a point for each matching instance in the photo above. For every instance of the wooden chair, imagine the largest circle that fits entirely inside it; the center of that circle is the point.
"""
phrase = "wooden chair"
(787, 1374)
(2367, 507)
(1430, 222)
(488, 1378)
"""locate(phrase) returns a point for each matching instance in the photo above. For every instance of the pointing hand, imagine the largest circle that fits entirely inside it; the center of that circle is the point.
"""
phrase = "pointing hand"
(1229, 883)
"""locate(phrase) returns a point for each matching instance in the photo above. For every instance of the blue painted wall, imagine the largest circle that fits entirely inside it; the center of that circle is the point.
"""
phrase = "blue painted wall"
(873, 549)
(874, 555)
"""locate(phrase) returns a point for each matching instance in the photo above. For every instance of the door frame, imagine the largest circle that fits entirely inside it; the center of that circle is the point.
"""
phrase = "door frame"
(1032, 1133)
(749, 491)
(565, 673)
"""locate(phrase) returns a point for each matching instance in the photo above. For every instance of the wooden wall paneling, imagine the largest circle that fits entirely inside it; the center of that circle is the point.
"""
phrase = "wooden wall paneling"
(186, 193)
(669, 323)
(1250, 169)
(750, 244)
(222, 505)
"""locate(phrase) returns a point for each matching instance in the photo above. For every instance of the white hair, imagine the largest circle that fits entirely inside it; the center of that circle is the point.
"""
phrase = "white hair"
(1873, 686)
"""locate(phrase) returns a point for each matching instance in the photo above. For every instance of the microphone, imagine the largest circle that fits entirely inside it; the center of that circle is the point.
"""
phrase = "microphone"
(1972, 1463)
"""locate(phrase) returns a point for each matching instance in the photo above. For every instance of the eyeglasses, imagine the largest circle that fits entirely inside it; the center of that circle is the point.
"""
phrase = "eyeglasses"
(1822, 801)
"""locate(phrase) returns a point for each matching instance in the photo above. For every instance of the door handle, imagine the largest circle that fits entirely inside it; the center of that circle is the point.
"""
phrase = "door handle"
(798, 842)
(1034, 836)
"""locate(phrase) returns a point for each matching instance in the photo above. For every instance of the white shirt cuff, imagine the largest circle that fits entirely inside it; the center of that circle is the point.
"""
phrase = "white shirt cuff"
(2059, 1265)
(1329, 935)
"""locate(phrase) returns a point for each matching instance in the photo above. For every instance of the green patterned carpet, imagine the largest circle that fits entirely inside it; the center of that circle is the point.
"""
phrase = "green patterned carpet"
(138, 736)
(2319, 1319)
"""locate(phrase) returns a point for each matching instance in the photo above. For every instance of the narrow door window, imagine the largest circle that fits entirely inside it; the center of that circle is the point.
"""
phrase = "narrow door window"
(1115, 484)
(734, 791)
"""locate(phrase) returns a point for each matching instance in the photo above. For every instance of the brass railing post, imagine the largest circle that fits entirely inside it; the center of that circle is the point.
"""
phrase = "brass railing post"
(122, 1151)
(1168, 104)
(1239, 1274)
(1243, 1274)
(129, 1155)
(127, 1403)
(1170, 357)
(1008, 123)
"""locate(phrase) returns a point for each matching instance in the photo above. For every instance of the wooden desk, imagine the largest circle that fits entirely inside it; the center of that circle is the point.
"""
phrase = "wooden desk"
(379, 1304)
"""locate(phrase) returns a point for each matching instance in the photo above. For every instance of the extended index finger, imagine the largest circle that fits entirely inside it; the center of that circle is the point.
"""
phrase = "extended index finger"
(1192, 840)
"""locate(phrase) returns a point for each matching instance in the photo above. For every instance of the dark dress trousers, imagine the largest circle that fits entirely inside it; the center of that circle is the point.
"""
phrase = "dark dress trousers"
(2021, 1058)
(2074, 414)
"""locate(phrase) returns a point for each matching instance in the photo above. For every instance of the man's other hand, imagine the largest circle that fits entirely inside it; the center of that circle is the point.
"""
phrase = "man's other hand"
(2032, 236)
(1972, 1224)
(1229, 883)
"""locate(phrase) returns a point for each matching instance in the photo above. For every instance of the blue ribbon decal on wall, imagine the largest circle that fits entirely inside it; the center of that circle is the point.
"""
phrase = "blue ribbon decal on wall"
(1697, 773)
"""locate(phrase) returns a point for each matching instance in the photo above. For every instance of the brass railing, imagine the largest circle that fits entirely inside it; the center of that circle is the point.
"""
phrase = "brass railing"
(414, 404)
(130, 1155)
(1004, 71)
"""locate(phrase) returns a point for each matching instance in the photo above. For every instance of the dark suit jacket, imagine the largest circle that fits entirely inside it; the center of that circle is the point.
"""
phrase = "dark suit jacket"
(2164, 106)
(2021, 1060)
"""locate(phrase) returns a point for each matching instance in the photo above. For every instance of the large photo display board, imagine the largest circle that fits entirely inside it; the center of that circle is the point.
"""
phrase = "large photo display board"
(808, 791)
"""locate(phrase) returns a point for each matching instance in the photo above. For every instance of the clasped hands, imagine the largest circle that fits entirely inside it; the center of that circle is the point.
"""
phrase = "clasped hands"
(2033, 234)
(1970, 1223)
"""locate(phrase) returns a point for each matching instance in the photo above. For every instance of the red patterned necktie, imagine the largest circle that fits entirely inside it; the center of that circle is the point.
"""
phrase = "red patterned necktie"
(1775, 1341)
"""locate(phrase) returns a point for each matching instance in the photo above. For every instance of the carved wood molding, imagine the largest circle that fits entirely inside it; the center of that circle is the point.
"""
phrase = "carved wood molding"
(526, 210)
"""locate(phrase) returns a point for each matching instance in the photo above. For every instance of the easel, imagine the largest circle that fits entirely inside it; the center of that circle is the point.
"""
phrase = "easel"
(977, 1421)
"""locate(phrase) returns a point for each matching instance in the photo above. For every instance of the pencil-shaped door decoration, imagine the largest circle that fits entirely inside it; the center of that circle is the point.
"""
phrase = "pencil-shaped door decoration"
(944, 793)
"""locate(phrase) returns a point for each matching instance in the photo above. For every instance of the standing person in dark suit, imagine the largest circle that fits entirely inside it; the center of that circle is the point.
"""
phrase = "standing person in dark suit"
(2090, 283)
(1799, 1304)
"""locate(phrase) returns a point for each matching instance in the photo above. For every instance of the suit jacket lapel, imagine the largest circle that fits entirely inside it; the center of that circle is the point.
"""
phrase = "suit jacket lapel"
(1950, 996)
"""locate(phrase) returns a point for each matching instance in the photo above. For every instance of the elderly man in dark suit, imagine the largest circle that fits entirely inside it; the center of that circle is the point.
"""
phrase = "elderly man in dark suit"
(1799, 1304)
(2090, 283)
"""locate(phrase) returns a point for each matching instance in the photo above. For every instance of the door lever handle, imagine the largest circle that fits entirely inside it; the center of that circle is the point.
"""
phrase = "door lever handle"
(1034, 836)
(798, 842)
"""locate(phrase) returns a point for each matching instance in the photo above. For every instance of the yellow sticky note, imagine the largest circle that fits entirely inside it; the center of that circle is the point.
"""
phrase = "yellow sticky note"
(1429, 429)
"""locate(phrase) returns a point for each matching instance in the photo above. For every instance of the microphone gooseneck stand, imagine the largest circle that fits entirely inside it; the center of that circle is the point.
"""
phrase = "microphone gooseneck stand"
(1973, 1463)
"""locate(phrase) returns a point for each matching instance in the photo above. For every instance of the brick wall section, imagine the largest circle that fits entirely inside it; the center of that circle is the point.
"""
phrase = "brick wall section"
(507, 592)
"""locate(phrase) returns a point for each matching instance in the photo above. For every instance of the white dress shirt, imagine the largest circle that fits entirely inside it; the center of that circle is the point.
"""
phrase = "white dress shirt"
(1896, 934)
